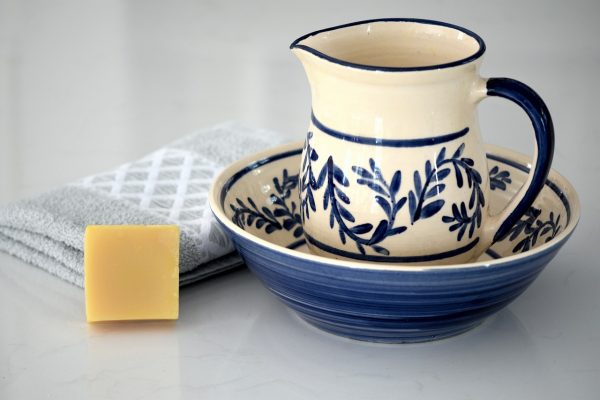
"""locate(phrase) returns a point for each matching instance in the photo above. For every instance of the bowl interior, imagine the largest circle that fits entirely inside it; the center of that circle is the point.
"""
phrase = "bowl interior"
(260, 196)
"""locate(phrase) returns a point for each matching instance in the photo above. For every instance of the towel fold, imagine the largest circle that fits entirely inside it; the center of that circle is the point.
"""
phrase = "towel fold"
(169, 186)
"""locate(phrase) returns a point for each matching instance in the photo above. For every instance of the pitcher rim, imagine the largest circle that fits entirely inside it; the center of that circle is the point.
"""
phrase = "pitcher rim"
(466, 60)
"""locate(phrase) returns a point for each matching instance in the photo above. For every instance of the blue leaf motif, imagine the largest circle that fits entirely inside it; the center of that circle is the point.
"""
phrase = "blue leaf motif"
(412, 204)
(372, 165)
(380, 231)
(288, 224)
(322, 177)
(381, 250)
(499, 179)
(280, 216)
(396, 182)
(398, 230)
(476, 176)
(326, 197)
(472, 199)
(468, 161)
(533, 228)
(342, 196)
(447, 219)
(345, 214)
(360, 248)
(313, 155)
(362, 172)
(459, 151)
(385, 205)
(435, 191)
(461, 232)
(342, 236)
(339, 176)
(443, 173)
(279, 212)
(441, 156)
(361, 229)
(399, 205)
(417, 179)
(428, 168)
(458, 175)
(432, 208)
(277, 185)
(311, 201)
(372, 186)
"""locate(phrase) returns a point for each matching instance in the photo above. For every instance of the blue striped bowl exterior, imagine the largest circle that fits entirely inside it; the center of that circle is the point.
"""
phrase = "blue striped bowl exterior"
(390, 306)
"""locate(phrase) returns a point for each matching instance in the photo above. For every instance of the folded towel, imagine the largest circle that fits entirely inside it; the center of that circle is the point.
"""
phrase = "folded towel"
(169, 186)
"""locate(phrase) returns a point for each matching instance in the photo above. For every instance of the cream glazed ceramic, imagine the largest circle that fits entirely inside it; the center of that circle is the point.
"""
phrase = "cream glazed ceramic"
(393, 168)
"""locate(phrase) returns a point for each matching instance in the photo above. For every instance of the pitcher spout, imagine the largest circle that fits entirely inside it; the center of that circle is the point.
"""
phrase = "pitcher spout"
(301, 54)
(307, 58)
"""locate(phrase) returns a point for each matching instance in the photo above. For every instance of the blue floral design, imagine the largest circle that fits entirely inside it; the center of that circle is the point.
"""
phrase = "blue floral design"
(530, 224)
(335, 199)
(534, 229)
(309, 183)
(423, 200)
(386, 198)
(286, 215)
(283, 216)
(421, 206)
(499, 179)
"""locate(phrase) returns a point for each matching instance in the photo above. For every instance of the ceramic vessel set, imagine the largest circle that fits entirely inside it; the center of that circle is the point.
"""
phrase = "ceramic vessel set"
(393, 221)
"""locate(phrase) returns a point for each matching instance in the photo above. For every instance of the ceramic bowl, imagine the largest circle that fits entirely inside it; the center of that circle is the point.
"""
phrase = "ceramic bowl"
(256, 202)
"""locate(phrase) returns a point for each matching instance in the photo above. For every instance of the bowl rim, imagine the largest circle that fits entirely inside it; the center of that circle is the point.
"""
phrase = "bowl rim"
(228, 172)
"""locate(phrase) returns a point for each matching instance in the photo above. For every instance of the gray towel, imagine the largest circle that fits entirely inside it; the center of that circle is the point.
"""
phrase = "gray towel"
(169, 186)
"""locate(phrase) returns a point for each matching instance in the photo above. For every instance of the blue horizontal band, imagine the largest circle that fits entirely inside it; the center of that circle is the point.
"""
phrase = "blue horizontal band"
(390, 259)
(420, 142)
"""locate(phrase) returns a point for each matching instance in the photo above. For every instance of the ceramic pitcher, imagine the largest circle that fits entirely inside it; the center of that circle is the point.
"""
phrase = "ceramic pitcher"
(393, 167)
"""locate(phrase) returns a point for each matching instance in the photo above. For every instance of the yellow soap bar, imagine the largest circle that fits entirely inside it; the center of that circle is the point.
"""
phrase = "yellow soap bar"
(131, 272)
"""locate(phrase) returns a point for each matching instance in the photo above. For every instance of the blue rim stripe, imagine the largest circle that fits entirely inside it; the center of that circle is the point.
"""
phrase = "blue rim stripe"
(295, 45)
(421, 142)
(390, 259)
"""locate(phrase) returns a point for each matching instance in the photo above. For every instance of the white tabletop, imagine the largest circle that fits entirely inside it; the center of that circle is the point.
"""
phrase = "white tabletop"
(85, 86)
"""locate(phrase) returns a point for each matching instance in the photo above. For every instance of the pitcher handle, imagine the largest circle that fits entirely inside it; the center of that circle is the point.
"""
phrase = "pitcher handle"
(526, 98)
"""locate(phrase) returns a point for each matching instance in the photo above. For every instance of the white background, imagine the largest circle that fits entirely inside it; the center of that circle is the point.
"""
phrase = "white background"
(87, 85)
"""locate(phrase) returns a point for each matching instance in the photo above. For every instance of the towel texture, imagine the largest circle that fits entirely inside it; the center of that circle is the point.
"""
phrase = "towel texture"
(169, 186)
